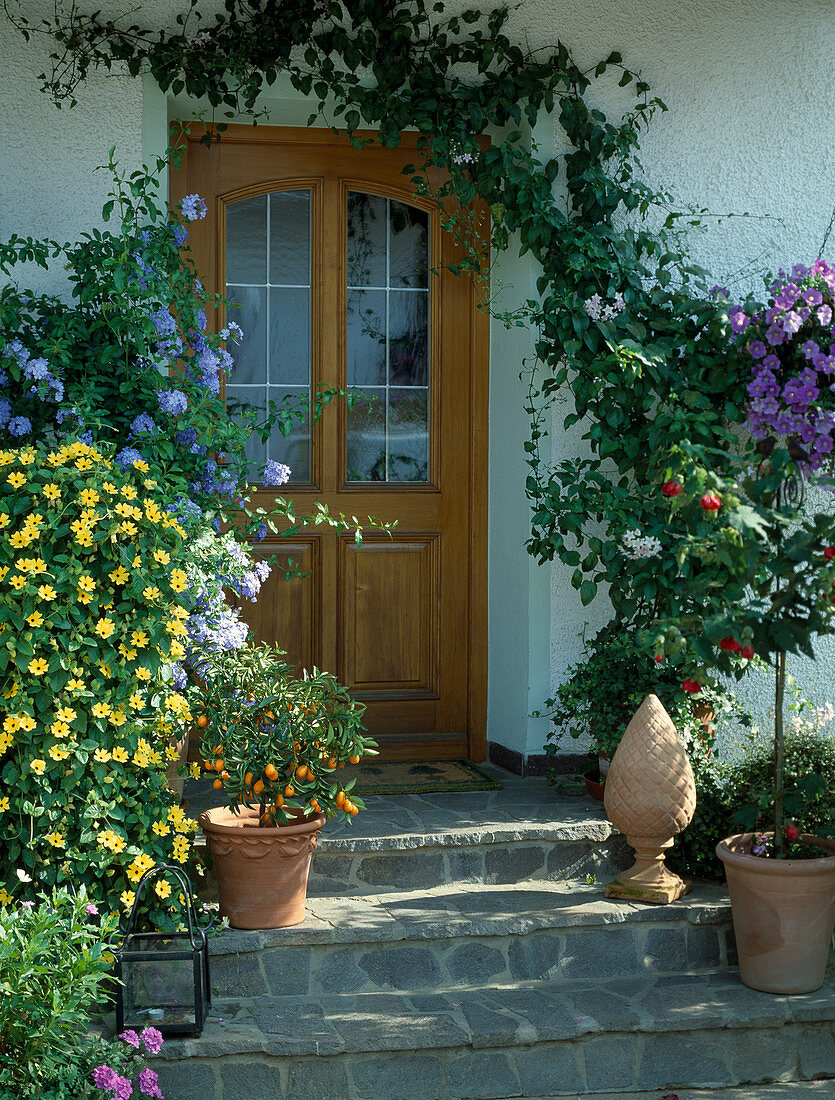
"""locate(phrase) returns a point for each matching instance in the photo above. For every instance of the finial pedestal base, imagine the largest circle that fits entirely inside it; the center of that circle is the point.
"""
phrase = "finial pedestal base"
(648, 879)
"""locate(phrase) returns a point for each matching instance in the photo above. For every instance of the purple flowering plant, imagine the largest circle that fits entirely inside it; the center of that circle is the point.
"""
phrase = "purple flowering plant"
(790, 344)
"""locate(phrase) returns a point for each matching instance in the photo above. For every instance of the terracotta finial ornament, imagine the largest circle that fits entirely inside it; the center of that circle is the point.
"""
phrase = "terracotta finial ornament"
(650, 796)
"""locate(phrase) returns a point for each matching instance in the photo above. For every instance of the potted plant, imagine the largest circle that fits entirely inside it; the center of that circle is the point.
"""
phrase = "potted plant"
(767, 569)
(276, 745)
(602, 693)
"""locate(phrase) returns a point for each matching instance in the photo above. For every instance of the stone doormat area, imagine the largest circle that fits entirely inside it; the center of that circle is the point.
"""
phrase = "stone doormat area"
(420, 777)
(797, 1090)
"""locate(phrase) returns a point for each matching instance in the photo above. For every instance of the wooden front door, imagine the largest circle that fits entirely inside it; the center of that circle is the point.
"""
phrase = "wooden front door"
(339, 275)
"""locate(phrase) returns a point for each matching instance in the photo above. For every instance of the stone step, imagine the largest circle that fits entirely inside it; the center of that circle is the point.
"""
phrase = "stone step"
(496, 837)
(544, 1039)
(466, 935)
(795, 1090)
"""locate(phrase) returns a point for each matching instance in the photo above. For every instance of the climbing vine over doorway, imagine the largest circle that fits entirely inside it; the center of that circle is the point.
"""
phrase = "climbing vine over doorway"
(625, 323)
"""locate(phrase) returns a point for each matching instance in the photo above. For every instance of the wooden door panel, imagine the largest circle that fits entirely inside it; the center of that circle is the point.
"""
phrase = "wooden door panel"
(286, 610)
(401, 621)
(390, 600)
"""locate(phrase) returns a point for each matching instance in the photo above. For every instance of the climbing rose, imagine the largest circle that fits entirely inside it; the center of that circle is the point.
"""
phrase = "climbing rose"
(792, 832)
(730, 645)
(747, 652)
(671, 488)
(693, 687)
(710, 502)
(829, 552)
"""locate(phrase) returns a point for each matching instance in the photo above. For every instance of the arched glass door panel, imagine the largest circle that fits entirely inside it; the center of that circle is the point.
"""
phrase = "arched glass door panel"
(268, 278)
(387, 340)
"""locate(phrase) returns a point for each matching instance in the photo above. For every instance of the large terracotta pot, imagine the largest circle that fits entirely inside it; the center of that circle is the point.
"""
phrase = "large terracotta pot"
(783, 913)
(261, 872)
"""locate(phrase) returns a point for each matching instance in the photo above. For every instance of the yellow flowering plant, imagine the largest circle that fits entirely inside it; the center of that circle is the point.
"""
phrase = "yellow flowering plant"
(92, 617)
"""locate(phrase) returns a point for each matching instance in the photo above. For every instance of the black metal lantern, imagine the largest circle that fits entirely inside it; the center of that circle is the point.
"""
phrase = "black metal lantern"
(163, 976)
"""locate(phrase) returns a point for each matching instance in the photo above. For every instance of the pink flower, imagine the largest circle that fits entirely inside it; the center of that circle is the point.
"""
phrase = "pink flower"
(104, 1077)
(149, 1083)
(91, 910)
(152, 1040)
(130, 1037)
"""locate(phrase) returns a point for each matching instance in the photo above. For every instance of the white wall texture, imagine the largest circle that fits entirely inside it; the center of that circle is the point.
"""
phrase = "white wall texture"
(749, 128)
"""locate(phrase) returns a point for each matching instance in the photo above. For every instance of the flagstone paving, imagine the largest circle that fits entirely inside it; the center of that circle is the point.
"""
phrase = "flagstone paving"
(474, 959)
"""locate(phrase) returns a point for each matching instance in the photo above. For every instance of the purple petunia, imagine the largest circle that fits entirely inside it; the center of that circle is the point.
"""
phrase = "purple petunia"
(824, 314)
(194, 208)
(757, 349)
(275, 473)
(739, 320)
(174, 402)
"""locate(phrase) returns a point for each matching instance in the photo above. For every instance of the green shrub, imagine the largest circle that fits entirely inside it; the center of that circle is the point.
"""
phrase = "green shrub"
(724, 792)
(53, 971)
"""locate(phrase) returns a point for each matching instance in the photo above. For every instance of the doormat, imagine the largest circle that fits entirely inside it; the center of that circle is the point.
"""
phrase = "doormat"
(420, 777)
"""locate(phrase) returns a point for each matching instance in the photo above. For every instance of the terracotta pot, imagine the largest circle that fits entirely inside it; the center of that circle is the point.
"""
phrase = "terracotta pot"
(594, 784)
(261, 873)
(783, 913)
(176, 781)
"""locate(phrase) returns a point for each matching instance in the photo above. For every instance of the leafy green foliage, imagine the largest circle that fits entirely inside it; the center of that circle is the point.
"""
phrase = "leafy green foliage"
(53, 972)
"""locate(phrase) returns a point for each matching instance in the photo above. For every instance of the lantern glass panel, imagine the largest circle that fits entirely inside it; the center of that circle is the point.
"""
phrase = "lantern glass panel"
(159, 982)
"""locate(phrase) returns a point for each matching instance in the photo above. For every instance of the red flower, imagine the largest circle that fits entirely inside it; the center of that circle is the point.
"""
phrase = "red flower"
(792, 832)
(672, 488)
(829, 552)
(711, 502)
(730, 645)
(747, 652)
(693, 687)
(659, 658)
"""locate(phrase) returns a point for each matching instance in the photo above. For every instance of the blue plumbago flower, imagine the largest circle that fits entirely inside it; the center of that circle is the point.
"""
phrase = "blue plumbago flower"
(263, 568)
(186, 437)
(173, 402)
(179, 678)
(126, 457)
(142, 423)
(194, 208)
(261, 533)
(276, 473)
(36, 369)
(19, 425)
(5, 411)
(4, 378)
(185, 509)
(232, 331)
(249, 585)
(180, 235)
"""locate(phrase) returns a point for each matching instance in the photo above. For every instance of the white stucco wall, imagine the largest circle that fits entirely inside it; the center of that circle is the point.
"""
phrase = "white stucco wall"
(749, 128)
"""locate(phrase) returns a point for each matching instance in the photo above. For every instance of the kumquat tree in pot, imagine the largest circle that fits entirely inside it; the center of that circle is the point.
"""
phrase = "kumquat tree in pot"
(275, 745)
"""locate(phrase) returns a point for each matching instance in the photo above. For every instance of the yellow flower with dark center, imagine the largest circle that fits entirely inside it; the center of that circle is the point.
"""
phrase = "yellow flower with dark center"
(128, 654)
(105, 628)
(18, 582)
(6, 742)
(26, 722)
(35, 619)
(47, 592)
(162, 888)
(101, 710)
(60, 729)
(102, 756)
(129, 493)
(117, 718)
(11, 723)
(38, 666)
(136, 701)
(138, 639)
(120, 575)
(88, 497)
(140, 464)
(38, 766)
(75, 685)
(66, 714)
(16, 479)
(162, 556)
(139, 866)
(51, 491)
(109, 487)
(176, 650)
(127, 898)
(86, 583)
(127, 528)
(57, 752)
(4, 804)
(161, 829)
(19, 540)
(151, 592)
(4, 519)
(56, 839)
(120, 755)
(26, 457)
(179, 581)
(142, 673)
(83, 464)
